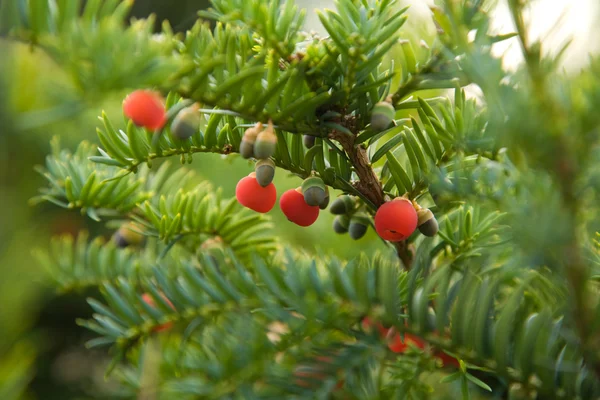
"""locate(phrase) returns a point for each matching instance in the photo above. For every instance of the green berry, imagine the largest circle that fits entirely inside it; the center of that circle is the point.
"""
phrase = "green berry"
(265, 144)
(341, 223)
(128, 235)
(247, 144)
(358, 226)
(186, 123)
(309, 141)
(382, 116)
(427, 223)
(247, 148)
(429, 228)
(313, 190)
(265, 171)
(342, 205)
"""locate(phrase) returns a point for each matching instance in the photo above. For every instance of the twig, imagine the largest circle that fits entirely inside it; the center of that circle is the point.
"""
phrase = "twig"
(368, 184)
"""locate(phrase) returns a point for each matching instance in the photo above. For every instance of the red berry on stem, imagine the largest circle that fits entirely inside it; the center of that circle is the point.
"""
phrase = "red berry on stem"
(396, 220)
(398, 345)
(150, 301)
(294, 207)
(250, 194)
(145, 108)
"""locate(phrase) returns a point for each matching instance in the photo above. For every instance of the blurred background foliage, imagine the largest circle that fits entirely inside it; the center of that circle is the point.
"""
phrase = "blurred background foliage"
(41, 349)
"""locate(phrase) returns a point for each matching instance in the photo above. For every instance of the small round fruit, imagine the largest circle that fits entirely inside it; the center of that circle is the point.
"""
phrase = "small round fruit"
(396, 220)
(186, 123)
(248, 140)
(150, 301)
(342, 205)
(145, 108)
(341, 223)
(296, 210)
(358, 226)
(399, 345)
(428, 225)
(265, 172)
(429, 228)
(265, 144)
(313, 190)
(382, 116)
(250, 194)
(309, 141)
(128, 235)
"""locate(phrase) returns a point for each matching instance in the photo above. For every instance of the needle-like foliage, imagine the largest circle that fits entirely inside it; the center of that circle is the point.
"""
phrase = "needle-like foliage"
(504, 298)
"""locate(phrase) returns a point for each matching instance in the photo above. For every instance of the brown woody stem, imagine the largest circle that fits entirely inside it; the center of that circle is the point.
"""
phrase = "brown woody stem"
(368, 183)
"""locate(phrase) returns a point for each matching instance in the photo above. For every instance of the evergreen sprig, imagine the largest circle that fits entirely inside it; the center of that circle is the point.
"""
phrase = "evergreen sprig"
(167, 206)
(504, 286)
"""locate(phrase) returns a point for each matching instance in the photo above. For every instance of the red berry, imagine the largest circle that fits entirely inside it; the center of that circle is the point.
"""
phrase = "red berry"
(396, 220)
(250, 194)
(150, 301)
(447, 360)
(145, 108)
(296, 210)
(397, 345)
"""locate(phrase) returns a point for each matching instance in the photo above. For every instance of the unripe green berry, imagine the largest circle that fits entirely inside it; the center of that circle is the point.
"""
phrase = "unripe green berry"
(128, 235)
(341, 223)
(427, 223)
(265, 144)
(382, 116)
(358, 226)
(265, 171)
(186, 123)
(342, 205)
(313, 190)
(429, 228)
(309, 141)
(247, 144)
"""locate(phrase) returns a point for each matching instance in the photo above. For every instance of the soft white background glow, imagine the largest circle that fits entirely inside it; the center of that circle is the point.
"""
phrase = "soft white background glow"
(556, 21)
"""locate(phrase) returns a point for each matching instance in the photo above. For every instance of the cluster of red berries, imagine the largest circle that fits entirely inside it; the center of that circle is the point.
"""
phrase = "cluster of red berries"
(398, 343)
(301, 206)
(146, 108)
(395, 220)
